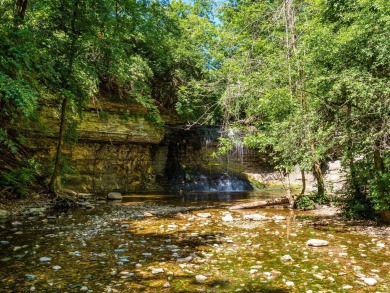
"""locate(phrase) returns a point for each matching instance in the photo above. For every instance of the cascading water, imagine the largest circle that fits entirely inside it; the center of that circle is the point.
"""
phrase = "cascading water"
(191, 168)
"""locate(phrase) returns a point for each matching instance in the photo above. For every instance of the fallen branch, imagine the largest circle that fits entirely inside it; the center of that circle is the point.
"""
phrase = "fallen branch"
(262, 203)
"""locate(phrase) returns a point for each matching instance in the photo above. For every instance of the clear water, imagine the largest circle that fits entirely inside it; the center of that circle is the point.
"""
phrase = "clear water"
(115, 247)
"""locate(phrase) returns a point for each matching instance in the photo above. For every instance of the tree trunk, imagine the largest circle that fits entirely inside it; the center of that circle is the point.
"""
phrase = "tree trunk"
(303, 182)
(262, 203)
(59, 146)
(20, 11)
(319, 177)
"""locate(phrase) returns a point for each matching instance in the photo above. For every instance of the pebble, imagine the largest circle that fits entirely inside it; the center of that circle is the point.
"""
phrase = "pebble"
(157, 271)
(253, 271)
(56, 268)
(4, 242)
(227, 218)
(166, 285)
(317, 242)
(278, 218)
(204, 215)
(286, 258)
(16, 224)
(370, 281)
(148, 215)
(84, 288)
(289, 283)
(255, 217)
(346, 287)
(30, 277)
(44, 259)
(200, 278)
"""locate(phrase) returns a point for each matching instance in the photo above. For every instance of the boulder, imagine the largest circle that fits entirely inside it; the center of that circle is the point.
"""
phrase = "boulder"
(114, 196)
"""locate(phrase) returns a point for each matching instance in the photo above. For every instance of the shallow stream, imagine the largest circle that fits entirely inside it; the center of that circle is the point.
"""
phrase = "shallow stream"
(188, 243)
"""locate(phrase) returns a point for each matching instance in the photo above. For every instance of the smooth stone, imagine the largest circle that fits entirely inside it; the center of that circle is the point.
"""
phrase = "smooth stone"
(157, 271)
(286, 258)
(147, 214)
(16, 224)
(346, 287)
(204, 215)
(289, 283)
(184, 259)
(278, 218)
(120, 250)
(227, 218)
(138, 265)
(253, 271)
(147, 254)
(255, 217)
(114, 196)
(317, 242)
(56, 268)
(200, 278)
(166, 285)
(4, 242)
(84, 288)
(30, 277)
(370, 281)
(44, 259)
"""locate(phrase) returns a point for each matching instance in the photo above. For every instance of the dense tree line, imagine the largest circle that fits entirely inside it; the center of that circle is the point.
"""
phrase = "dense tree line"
(305, 81)
(68, 52)
(308, 81)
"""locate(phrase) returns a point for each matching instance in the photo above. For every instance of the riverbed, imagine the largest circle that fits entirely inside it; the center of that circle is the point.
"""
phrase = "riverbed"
(189, 243)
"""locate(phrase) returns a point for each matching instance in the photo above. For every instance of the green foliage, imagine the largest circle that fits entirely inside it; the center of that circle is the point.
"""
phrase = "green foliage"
(305, 202)
(19, 179)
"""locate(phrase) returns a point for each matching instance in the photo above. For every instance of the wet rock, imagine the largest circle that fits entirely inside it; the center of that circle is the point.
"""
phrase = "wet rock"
(44, 259)
(114, 196)
(166, 285)
(227, 218)
(147, 254)
(36, 211)
(17, 248)
(204, 215)
(289, 283)
(286, 258)
(16, 224)
(120, 250)
(30, 277)
(200, 278)
(317, 242)
(157, 271)
(4, 214)
(278, 218)
(255, 217)
(370, 281)
(4, 242)
(185, 259)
